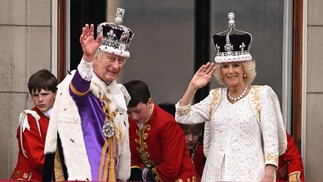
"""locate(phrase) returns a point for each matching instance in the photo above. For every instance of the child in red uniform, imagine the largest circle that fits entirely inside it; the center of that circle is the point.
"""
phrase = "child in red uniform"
(192, 134)
(33, 124)
(290, 165)
(157, 144)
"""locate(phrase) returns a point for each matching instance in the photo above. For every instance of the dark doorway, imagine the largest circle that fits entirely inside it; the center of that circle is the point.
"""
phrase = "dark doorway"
(82, 12)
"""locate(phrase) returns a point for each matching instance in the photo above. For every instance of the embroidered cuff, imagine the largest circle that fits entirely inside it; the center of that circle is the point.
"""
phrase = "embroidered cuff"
(182, 110)
(271, 159)
(295, 176)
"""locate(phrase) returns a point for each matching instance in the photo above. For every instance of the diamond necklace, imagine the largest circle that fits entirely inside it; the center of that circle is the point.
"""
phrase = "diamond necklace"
(239, 97)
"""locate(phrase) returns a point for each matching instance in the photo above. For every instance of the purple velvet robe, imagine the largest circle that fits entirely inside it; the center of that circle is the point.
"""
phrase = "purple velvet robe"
(92, 120)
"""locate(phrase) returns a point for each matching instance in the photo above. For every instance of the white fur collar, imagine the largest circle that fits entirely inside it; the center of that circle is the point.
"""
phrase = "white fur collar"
(114, 91)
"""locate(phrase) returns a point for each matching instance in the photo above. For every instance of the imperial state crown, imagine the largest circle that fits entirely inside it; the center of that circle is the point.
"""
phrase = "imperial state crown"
(116, 37)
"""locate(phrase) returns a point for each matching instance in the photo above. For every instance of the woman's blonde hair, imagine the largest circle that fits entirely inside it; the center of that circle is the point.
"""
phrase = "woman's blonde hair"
(249, 68)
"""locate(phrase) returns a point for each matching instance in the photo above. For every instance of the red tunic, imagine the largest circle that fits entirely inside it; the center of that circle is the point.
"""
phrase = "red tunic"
(292, 160)
(31, 168)
(161, 143)
(198, 159)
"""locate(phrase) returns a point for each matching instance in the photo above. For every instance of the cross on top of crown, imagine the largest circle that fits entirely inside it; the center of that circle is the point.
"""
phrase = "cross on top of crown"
(119, 15)
(231, 17)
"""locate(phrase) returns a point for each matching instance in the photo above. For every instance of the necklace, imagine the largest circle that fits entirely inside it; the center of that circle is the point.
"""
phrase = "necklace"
(240, 96)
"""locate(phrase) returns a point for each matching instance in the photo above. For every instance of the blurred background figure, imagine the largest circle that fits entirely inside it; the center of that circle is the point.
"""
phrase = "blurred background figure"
(290, 165)
(193, 133)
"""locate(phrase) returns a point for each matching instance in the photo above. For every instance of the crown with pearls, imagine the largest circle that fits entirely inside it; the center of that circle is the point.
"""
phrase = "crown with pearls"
(116, 37)
(232, 45)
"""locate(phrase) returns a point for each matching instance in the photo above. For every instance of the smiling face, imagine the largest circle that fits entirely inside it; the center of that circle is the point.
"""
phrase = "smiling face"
(232, 73)
(108, 66)
(43, 99)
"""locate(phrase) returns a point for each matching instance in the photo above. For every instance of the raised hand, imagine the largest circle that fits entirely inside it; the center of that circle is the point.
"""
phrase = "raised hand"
(199, 80)
(203, 75)
(88, 43)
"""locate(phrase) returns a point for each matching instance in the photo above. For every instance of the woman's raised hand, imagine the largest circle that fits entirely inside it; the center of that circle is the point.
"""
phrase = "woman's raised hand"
(203, 76)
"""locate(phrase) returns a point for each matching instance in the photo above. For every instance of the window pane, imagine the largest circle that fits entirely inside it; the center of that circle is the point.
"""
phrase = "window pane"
(162, 50)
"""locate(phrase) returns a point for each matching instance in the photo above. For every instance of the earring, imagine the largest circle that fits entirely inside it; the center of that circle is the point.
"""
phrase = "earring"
(244, 75)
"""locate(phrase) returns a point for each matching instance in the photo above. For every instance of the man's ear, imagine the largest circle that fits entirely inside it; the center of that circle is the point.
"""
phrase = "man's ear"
(95, 60)
(150, 102)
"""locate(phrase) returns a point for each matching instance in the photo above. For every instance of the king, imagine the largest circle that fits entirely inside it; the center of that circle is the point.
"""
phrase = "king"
(88, 134)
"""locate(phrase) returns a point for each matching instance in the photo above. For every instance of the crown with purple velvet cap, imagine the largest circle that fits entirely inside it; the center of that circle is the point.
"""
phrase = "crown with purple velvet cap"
(116, 37)
(232, 45)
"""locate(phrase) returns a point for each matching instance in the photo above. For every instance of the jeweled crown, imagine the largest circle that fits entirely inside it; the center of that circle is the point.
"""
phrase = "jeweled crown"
(232, 45)
(116, 37)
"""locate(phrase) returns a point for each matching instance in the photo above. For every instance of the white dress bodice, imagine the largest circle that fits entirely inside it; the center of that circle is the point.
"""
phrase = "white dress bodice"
(235, 148)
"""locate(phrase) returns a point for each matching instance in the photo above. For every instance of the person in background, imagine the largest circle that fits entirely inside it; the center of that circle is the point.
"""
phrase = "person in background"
(33, 124)
(90, 113)
(290, 165)
(193, 133)
(158, 150)
(244, 132)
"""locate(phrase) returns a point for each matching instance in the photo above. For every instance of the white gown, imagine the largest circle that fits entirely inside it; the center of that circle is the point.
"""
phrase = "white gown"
(237, 144)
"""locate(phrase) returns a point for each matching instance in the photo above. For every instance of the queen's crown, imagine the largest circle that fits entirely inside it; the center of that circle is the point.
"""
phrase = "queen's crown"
(232, 44)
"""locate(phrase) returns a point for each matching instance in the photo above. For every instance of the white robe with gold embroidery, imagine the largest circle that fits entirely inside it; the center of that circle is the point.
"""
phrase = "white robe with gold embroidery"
(240, 138)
